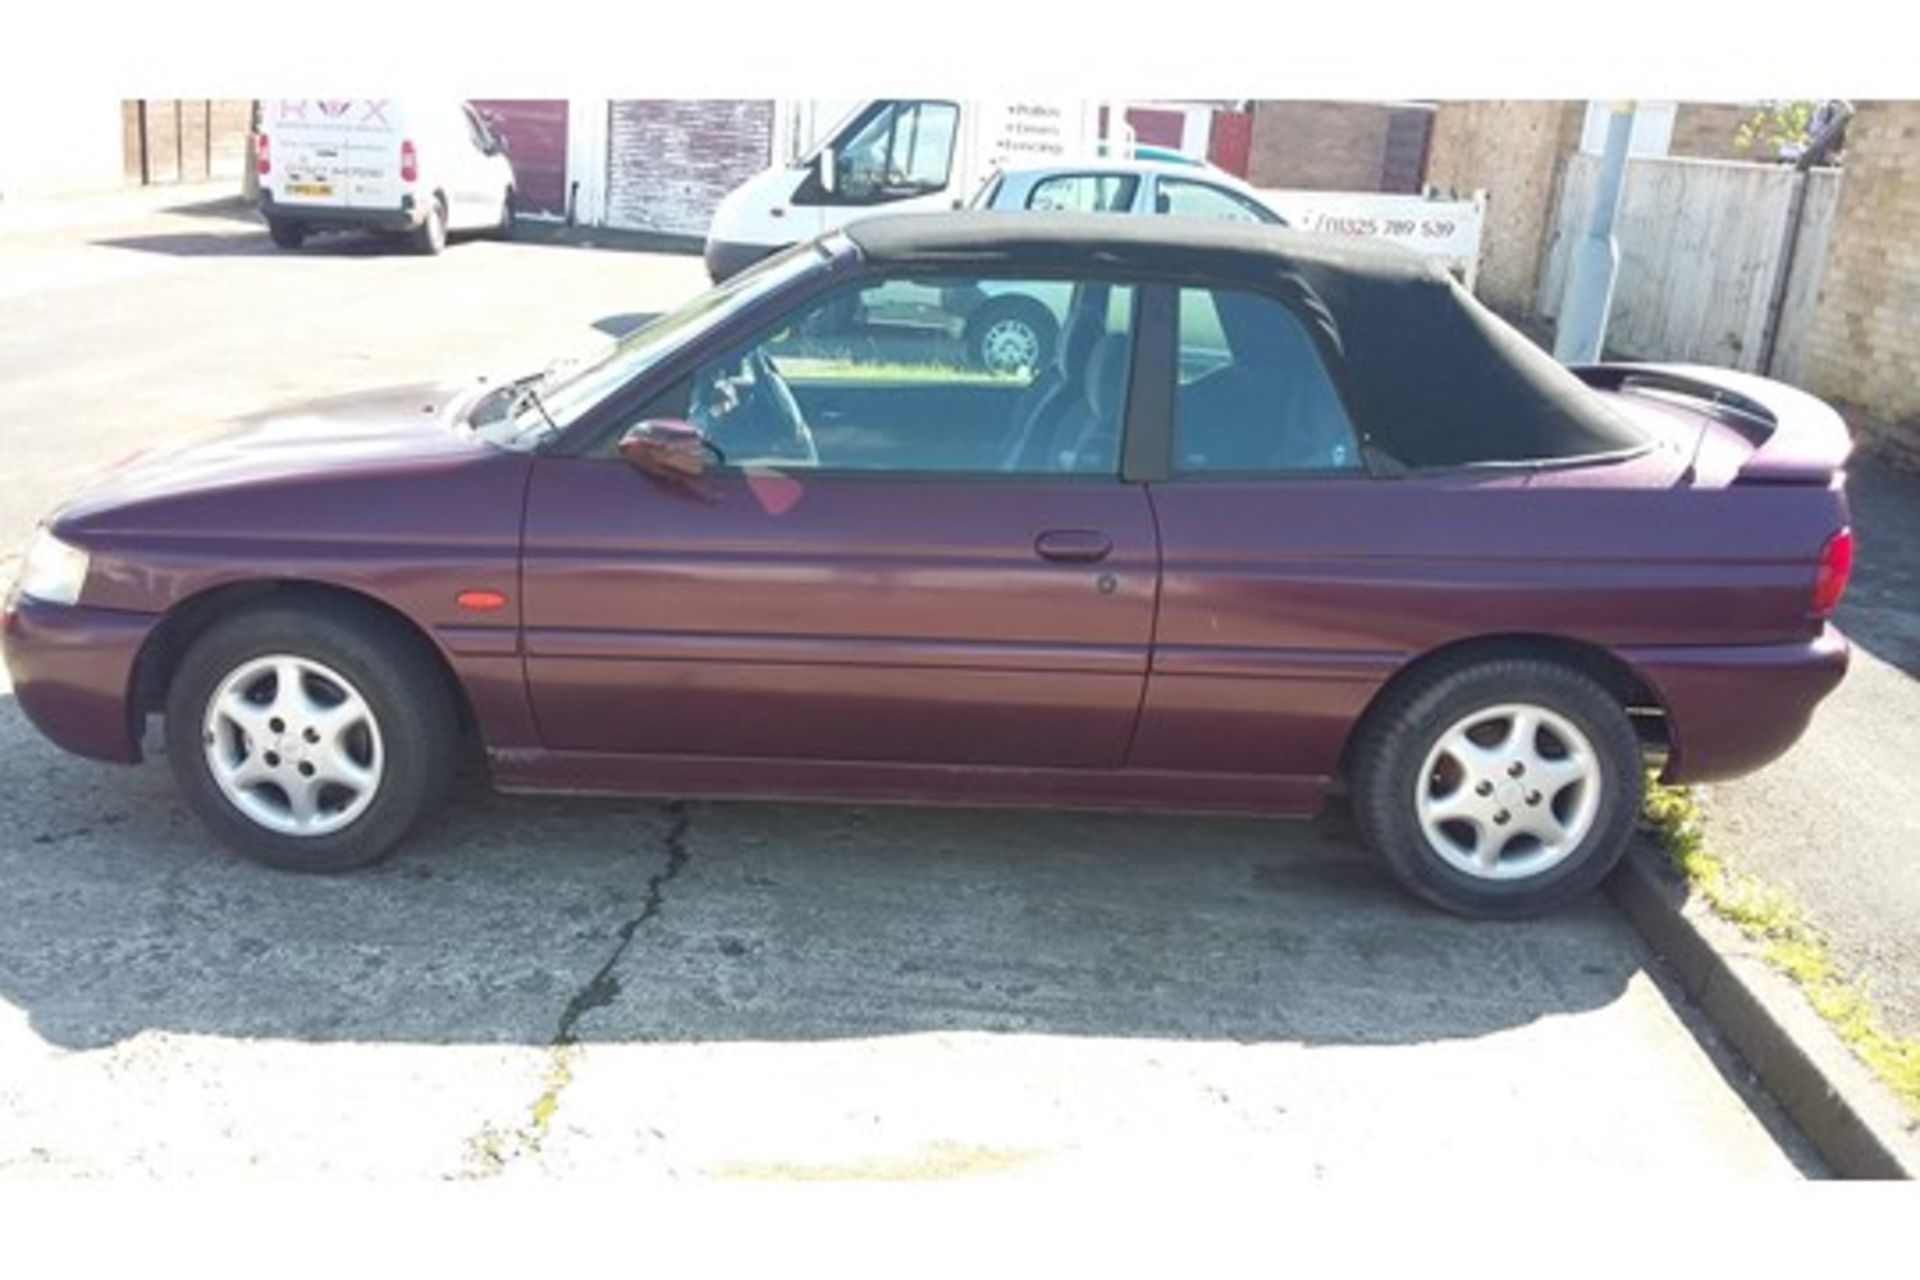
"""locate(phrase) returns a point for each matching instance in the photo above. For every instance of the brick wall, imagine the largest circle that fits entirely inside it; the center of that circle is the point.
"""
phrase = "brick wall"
(1515, 151)
(1861, 348)
(1705, 131)
(1336, 146)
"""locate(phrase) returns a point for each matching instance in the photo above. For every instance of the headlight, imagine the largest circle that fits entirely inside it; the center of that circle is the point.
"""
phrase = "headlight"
(53, 571)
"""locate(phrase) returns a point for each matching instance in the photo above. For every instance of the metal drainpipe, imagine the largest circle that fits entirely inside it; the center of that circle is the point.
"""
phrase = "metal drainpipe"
(1783, 278)
(1582, 329)
(1815, 151)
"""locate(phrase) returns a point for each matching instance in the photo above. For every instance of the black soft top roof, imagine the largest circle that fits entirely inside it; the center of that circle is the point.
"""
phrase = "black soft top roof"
(1431, 376)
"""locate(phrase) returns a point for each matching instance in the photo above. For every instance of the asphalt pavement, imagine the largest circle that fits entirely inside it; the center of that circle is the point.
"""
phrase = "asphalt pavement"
(734, 992)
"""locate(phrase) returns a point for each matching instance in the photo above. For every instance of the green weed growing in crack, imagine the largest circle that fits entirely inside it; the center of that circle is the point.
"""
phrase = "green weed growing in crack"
(494, 1150)
(1789, 941)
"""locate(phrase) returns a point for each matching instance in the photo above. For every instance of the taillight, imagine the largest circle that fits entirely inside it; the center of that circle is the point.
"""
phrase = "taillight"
(1836, 566)
(409, 162)
(262, 154)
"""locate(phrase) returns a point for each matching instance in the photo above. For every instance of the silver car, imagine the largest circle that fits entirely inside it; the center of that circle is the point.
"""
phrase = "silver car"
(1003, 331)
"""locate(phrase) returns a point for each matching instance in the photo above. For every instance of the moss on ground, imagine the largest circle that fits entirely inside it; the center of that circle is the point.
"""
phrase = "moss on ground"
(1789, 941)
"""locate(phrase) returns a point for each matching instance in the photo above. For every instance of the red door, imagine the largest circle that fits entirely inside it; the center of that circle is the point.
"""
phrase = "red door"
(535, 130)
(836, 617)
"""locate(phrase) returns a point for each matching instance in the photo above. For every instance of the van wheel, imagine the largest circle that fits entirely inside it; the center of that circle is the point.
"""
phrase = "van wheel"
(1502, 788)
(430, 237)
(310, 737)
(287, 235)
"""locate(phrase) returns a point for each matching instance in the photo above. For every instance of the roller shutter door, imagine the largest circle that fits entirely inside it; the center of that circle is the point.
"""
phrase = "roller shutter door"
(670, 162)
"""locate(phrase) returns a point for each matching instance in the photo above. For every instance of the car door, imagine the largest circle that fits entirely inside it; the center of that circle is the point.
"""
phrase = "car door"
(938, 568)
(1268, 644)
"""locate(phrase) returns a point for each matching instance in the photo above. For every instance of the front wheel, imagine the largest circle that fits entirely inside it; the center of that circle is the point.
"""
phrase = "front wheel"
(310, 738)
(1503, 788)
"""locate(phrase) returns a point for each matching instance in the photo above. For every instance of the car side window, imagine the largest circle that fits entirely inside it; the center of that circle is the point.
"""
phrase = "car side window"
(945, 375)
(1253, 393)
(1200, 200)
(1084, 193)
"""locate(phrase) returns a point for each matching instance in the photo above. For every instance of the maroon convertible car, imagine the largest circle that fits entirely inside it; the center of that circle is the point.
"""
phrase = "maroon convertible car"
(1278, 516)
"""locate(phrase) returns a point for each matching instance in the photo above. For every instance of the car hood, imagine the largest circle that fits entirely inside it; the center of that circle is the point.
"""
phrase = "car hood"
(404, 427)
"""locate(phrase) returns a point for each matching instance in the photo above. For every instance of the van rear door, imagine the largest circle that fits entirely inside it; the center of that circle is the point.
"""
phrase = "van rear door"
(373, 131)
(337, 152)
(309, 154)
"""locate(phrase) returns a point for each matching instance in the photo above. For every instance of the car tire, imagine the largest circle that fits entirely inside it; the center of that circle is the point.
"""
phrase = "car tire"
(243, 741)
(286, 235)
(1476, 815)
(1006, 335)
(430, 237)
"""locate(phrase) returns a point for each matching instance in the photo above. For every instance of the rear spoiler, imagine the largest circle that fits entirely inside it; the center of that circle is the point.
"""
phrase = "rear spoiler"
(1797, 438)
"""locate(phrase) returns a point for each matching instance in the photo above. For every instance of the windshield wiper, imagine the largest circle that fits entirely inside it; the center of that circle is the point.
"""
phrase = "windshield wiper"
(527, 392)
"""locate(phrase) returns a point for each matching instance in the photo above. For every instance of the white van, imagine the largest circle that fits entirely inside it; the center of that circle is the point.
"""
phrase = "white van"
(894, 155)
(419, 169)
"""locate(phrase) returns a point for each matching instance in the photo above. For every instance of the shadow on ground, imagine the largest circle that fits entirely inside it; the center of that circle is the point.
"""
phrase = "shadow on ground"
(246, 236)
(533, 920)
(257, 244)
(1881, 611)
(229, 208)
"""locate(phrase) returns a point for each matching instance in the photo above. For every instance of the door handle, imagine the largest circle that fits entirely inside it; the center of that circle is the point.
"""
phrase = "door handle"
(1078, 545)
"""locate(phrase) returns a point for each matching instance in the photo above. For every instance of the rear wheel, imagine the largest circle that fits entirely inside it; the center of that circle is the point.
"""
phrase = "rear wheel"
(287, 235)
(1500, 788)
(310, 738)
(430, 237)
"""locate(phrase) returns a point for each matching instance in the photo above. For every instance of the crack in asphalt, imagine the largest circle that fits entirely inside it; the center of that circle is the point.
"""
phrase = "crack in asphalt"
(597, 992)
(602, 988)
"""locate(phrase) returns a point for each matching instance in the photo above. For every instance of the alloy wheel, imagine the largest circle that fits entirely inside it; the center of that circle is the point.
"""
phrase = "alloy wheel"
(1508, 791)
(293, 745)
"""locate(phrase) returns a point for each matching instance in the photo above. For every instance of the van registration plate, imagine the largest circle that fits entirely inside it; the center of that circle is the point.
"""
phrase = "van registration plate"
(309, 188)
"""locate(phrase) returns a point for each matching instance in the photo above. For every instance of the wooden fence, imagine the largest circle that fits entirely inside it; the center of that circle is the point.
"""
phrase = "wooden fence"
(1719, 260)
(186, 140)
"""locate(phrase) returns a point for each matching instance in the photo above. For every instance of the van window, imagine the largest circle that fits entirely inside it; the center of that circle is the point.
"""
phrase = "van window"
(476, 129)
(903, 149)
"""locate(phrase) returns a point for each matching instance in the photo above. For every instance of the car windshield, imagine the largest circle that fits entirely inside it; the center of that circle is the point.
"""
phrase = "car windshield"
(559, 397)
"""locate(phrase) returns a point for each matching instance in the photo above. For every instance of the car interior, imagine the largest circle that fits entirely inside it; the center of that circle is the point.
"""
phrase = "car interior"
(833, 391)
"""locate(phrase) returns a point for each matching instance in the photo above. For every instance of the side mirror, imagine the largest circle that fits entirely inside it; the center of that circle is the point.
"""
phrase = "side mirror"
(828, 169)
(667, 449)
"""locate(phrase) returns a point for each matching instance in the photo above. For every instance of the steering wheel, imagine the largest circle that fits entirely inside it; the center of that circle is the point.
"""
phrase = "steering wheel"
(772, 404)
